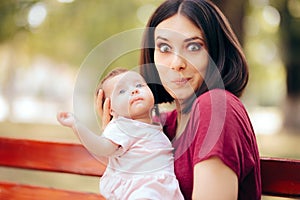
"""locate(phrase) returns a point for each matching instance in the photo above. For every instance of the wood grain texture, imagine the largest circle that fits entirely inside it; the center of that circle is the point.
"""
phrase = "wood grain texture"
(280, 177)
(13, 191)
(49, 156)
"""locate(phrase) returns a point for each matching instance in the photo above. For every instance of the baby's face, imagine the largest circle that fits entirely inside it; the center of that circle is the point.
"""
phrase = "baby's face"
(130, 95)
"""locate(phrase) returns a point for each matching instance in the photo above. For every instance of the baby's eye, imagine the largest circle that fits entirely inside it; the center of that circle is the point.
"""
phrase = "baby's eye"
(139, 85)
(122, 91)
(194, 47)
(164, 48)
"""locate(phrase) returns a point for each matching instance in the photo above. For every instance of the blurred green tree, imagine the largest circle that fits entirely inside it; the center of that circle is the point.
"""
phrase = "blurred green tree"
(290, 51)
(60, 32)
(70, 30)
(235, 14)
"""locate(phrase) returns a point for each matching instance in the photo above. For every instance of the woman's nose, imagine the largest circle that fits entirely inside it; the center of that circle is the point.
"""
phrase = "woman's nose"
(178, 62)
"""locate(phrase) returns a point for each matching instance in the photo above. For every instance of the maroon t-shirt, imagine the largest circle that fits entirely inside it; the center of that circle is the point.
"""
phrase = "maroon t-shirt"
(218, 126)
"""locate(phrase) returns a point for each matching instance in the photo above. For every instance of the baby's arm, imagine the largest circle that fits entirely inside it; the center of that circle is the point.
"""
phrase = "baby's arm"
(97, 145)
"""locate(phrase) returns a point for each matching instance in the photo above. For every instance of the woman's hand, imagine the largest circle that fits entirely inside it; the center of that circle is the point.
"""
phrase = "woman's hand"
(103, 109)
(66, 119)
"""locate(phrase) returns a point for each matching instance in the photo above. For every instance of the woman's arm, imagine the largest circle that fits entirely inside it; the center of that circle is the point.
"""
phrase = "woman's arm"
(213, 180)
(97, 145)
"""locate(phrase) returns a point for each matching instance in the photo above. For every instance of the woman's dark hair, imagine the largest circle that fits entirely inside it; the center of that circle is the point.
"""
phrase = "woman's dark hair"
(227, 69)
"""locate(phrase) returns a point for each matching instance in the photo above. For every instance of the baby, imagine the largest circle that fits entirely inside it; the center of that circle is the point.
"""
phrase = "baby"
(140, 159)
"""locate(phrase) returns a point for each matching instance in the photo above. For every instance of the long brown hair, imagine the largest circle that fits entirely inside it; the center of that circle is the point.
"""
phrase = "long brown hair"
(227, 69)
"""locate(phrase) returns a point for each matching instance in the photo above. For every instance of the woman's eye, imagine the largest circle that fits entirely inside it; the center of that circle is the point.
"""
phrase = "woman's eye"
(164, 48)
(194, 47)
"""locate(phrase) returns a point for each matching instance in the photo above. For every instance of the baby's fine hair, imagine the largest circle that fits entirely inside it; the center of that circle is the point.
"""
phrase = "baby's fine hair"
(110, 75)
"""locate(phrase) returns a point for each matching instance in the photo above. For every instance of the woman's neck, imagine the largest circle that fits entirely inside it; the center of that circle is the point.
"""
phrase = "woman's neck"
(182, 119)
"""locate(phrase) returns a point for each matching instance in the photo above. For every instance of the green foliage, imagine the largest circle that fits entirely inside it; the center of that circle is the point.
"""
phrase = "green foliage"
(9, 14)
(70, 30)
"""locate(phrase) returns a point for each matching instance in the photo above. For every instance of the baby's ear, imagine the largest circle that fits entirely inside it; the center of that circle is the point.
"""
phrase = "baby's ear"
(112, 113)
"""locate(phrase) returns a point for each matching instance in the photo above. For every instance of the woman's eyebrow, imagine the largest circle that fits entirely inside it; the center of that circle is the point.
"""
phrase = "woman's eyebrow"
(194, 38)
(161, 38)
(186, 40)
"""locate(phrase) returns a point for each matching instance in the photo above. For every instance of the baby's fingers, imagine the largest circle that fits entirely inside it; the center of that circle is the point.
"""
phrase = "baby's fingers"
(61, 116)
(65, 118)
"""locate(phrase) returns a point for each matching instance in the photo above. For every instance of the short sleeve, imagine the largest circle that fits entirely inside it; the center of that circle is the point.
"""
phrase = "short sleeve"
(113, 133)
(222, 130)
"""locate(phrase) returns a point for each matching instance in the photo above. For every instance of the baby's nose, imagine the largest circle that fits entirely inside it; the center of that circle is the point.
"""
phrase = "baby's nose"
(134, 91)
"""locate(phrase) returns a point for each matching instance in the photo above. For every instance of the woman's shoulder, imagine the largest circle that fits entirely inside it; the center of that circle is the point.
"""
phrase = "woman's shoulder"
(217, 94)
(216, 98)
(220, 103)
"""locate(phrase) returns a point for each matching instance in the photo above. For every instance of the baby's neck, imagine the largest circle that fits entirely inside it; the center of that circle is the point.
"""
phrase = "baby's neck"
(144, 120)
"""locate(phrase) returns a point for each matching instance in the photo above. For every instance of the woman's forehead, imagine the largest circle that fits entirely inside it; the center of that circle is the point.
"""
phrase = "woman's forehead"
(177, 26)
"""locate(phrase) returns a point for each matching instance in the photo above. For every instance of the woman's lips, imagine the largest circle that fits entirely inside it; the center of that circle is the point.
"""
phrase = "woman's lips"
(181, 81)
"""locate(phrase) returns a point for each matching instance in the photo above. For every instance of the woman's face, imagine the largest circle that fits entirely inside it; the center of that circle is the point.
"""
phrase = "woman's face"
(180, 56)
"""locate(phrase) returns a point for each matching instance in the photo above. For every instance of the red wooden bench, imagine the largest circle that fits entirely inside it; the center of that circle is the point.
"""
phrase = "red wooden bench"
(280, 177)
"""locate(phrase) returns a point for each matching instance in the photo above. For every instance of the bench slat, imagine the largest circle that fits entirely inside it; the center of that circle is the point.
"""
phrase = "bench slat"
(26, 192)
(49, 156)
(280, 177)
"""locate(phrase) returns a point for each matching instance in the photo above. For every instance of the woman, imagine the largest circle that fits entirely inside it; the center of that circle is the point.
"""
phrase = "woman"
(191, 56)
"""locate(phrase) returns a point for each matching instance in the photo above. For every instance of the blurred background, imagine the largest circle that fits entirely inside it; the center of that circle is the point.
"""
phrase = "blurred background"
(43, 45)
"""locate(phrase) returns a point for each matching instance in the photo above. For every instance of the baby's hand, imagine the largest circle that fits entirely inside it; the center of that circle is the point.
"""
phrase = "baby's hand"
(66, 119)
